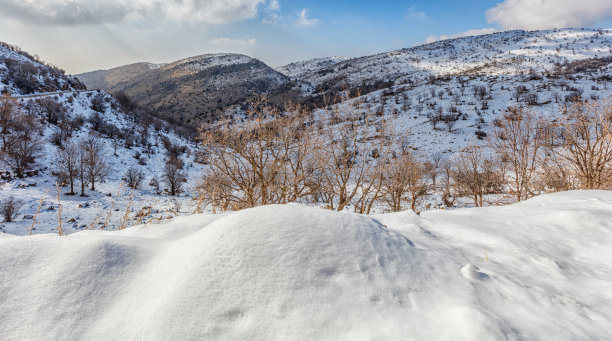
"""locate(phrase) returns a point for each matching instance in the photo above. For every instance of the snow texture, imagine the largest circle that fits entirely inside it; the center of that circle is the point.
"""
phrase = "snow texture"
(537, 270)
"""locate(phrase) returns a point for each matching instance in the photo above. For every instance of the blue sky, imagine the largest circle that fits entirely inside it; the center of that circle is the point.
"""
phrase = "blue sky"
(83, 35)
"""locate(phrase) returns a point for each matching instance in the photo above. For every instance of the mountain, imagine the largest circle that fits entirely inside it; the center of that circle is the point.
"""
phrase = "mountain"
(192, 90)
(504, 53)
(472, 80)
(109, 80)
(22, 74)
(200, 89)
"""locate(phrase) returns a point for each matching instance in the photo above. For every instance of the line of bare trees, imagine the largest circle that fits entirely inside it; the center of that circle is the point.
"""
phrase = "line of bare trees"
(344, 157)
(82, 161)
(340, 157)
(529, 155)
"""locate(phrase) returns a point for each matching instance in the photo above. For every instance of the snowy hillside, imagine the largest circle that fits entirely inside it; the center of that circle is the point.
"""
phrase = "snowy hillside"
(106, 79)
(22, 74)
(538, 270)
(129, 147)
(58, 113)
(466, 83)
(193, 90)
(503, 53)
(470, 81)
(299, 69)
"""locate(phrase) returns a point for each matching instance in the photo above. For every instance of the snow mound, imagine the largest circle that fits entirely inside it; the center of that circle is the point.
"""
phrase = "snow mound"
(293, 272)
(471, 271)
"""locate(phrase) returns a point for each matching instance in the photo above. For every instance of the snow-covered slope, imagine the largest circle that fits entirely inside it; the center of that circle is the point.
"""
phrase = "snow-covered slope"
(299, 69)
(21, 74)
(131, 138)
(471, 80)
(538, 270)
(107, 79)
(108, 203)
(503, 53)
(195, 90)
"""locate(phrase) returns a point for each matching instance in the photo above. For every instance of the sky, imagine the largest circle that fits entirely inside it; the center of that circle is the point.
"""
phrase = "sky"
(86, 35)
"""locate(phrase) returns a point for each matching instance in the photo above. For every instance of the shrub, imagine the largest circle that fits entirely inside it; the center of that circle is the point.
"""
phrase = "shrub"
(9, 209)
(134, 177)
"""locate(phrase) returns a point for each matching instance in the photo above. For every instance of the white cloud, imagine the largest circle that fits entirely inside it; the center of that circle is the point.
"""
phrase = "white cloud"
(223, 41)
(543, 14)
(304, 20)
(274, 5)
(87, 12)
(414, 14)
(474, 32)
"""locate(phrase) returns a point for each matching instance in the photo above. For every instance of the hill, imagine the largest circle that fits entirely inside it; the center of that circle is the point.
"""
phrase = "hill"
(110, 80)
(57, 113)
(470, 79)
(193, 90)
(22, 74)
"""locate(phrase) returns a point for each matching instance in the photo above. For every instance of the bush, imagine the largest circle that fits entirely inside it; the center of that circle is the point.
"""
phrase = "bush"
(134, 177)
(98, 103)
(9, 209)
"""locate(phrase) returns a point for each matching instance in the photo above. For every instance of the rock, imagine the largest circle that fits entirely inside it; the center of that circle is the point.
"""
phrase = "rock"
(28, 216)
(72, 220)
(85, 204)
(26, 183)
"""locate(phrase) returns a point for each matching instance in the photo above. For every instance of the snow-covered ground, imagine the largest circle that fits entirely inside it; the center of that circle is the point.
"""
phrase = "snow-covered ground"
(537, 270)
(413, 84)
(106, 206)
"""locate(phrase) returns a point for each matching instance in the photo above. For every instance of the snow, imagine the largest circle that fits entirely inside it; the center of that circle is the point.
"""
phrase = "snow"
(98, 205)
(537, 270)
(423, 78)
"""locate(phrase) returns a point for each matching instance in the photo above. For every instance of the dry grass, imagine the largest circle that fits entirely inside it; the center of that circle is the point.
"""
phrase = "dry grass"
(110, 211)
(40, 203)
(126, 215)
(60, 230)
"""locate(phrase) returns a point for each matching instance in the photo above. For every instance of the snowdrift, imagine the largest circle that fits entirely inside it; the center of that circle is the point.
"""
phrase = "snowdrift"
(536, 270)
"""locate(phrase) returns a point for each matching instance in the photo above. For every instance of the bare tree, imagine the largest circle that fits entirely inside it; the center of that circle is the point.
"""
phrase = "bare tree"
(9, 209)
(587, 141)
(520, 135)
(8, 112)
(23, 144)
(82, 169)
(96, 168)
(173, 175)
(343, 158)
(433, 167)
(154, 183)
(404, 175)
(370, 190)
(474, 174)
(247, 158)
(133, 178)
(450, 120)
(98, 103)
(67, 160)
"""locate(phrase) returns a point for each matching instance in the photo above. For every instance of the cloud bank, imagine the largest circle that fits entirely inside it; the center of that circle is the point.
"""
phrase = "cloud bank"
(91, 12)
(475, 32)
(223, 41)
(545, 14)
